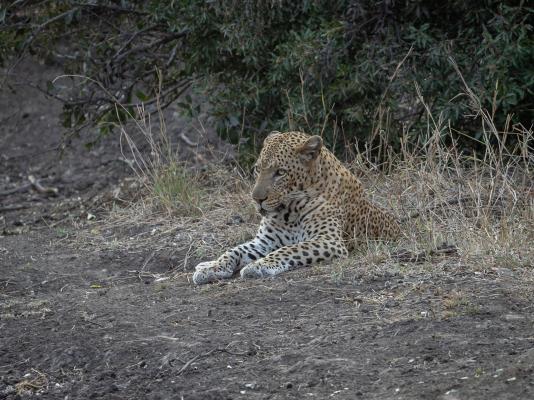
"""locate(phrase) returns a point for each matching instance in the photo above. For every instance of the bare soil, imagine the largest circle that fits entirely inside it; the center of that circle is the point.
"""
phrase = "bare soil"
(79, 322)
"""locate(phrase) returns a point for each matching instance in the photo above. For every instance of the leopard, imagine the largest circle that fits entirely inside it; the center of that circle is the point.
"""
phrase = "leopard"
(313, 209)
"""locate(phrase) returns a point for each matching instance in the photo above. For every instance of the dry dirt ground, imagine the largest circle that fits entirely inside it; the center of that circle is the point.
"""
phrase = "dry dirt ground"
(84, 316)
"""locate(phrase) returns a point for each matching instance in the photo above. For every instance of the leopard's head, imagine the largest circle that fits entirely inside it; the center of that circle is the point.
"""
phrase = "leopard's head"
(285, 169)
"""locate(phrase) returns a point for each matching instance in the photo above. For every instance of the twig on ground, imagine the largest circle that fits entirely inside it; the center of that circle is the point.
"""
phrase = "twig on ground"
(192, 360)
(409, 256)
(148, 259)
(36, 184)
(217, 349)
(187, 141)
(40, 188)
(16, 190)
(14, 207)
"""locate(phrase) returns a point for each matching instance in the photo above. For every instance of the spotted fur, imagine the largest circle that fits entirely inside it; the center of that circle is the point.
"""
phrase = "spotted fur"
(314, 209)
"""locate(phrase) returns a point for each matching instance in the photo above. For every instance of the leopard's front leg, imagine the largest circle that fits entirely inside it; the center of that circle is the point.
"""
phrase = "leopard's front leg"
(301, 254)
(234, 259)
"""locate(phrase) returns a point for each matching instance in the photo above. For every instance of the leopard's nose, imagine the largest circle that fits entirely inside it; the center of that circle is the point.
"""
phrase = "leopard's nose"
(260, 200)
(259, 194)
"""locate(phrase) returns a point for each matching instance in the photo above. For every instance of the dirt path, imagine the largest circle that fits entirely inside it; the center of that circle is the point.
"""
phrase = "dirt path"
(94, 328)
(78, 322)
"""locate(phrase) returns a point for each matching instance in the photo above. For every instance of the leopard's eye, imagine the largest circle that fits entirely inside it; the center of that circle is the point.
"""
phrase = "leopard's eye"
(280, 172)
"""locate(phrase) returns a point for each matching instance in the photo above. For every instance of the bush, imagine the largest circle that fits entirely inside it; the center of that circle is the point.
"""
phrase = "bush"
(346, 69)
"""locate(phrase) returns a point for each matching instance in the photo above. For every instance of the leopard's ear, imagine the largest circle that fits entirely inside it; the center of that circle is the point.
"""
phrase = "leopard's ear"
(271, 135)
(310, 149)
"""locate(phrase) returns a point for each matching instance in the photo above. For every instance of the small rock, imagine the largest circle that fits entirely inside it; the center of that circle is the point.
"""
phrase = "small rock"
(251, 385)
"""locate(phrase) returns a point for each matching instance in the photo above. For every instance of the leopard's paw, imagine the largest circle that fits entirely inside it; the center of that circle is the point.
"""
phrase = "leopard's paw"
(260, 270)
(205, 265)
(210, 271)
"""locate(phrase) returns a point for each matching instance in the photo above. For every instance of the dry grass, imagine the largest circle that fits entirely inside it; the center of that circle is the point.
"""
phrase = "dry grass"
(33, 383)
(481, 207)
(484, 207)
(171, 188)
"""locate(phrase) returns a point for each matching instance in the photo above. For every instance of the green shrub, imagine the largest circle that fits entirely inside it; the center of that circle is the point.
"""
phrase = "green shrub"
(346, 69)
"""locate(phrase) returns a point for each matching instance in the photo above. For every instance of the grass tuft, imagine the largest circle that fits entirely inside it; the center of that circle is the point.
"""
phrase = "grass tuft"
(174, 189)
